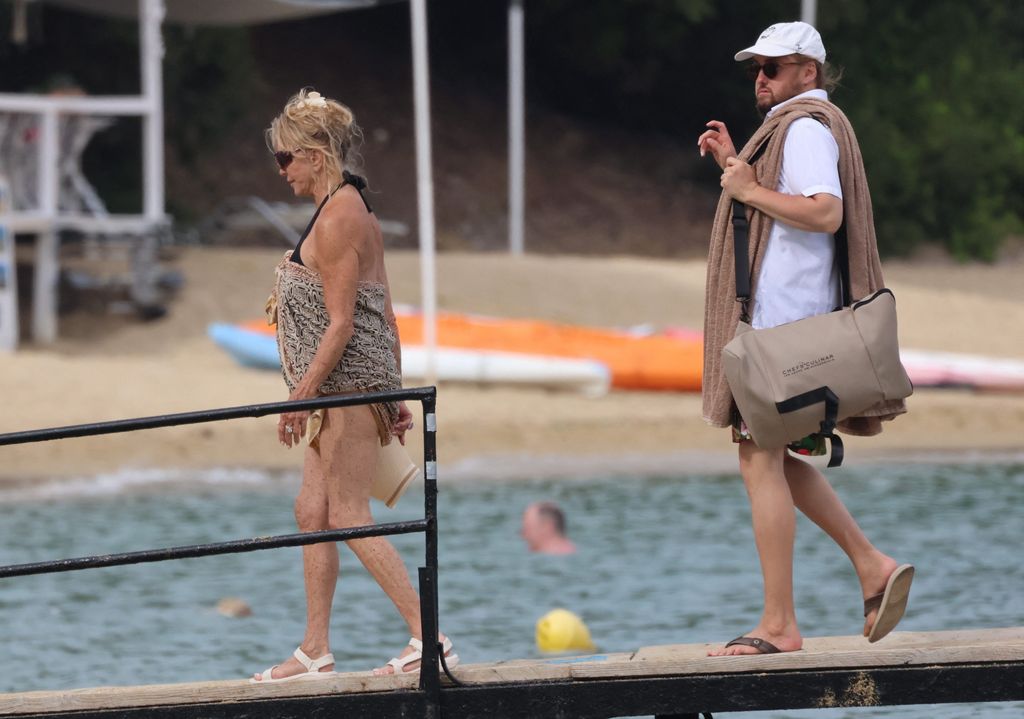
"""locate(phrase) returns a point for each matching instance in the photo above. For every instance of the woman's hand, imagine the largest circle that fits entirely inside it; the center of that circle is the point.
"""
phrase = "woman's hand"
(403, 424)
(292, 425)
(718, 142)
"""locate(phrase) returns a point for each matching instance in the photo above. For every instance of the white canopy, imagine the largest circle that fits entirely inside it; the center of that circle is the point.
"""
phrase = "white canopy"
(222, 12)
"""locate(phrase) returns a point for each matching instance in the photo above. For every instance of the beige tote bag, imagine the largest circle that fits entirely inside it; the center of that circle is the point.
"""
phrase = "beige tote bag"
(805, 376)
(395, 472)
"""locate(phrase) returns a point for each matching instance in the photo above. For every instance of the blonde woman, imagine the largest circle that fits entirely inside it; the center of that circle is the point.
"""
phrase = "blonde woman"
(336, 334)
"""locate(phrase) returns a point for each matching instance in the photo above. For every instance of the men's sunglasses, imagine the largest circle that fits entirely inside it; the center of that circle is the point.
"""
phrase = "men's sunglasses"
(770, 68)
(285, 157)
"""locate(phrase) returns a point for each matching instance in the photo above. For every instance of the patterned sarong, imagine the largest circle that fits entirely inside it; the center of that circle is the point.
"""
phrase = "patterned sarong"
(368, 363)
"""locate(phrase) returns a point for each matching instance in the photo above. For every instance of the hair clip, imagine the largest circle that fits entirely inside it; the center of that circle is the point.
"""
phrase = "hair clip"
(313, 99)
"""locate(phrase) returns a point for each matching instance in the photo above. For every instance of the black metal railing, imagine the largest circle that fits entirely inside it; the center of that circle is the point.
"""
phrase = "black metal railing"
(430, 682)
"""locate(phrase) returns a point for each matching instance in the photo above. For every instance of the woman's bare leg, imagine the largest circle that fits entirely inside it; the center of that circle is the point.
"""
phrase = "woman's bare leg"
(319, 568)
(350, 446)
(815, 497)
(774, 521)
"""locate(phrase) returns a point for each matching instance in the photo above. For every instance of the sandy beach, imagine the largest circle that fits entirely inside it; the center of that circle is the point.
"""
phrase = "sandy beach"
(107, 367)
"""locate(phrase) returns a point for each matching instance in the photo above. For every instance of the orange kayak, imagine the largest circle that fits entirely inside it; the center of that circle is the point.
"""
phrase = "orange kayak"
(650, 362)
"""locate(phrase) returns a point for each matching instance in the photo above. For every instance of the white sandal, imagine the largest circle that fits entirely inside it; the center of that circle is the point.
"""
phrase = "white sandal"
(399, 664)
(313, 667)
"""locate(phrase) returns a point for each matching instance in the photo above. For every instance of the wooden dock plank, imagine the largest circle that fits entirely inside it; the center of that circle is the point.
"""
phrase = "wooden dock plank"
(986, 653)
(903, 649)
(855, 642)
(194, 693)
(898, 649)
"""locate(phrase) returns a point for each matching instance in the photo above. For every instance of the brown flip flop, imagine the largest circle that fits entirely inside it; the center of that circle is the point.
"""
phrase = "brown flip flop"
(891, 604)
(762, 646)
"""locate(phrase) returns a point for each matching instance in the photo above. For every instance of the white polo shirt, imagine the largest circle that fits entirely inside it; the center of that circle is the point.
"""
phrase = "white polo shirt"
(798, 276)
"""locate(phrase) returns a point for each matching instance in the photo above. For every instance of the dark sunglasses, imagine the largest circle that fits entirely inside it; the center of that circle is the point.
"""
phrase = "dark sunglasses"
(770, 68)
(285, 157)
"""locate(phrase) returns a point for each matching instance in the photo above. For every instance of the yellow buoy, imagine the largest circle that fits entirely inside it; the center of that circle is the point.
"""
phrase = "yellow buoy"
(562, 631)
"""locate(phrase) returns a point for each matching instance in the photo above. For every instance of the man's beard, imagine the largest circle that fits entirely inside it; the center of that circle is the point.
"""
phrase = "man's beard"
(763, 111)
(769, 102)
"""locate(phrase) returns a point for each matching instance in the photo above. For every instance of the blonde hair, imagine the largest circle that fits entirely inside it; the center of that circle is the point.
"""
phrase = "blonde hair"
(310, 121)
(828, 76)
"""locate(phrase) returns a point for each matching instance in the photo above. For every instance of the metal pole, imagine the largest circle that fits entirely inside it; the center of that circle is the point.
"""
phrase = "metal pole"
(151, 52)
(47, 181)
(516, 128)
(9, 330)
(425, 184)
(809, 11)
(44, 292)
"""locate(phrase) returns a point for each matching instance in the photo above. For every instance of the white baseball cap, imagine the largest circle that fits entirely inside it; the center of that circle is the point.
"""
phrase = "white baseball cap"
(786, 38)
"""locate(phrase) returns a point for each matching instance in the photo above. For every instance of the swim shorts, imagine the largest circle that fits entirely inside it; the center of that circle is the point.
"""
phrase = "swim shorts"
(813, 445)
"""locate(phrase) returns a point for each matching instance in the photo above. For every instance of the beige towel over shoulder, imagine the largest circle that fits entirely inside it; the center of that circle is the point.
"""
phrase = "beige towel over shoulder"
(722, 311)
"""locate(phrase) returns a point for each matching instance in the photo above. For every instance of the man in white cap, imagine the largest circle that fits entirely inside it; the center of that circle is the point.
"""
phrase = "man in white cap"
(801, 177)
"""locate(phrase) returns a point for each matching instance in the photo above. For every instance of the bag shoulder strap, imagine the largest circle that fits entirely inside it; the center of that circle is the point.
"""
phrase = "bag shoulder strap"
(843, 259)
(741, 243)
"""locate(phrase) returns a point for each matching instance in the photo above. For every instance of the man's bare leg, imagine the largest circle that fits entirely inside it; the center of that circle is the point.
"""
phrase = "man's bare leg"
(816, 498)
(774, 521)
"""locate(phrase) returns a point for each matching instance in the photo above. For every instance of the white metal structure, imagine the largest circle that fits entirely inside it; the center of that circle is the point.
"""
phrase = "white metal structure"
(224, 12)
(45, 220)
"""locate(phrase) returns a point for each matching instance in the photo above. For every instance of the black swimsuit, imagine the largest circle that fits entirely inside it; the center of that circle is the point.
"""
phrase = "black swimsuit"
(349, 179)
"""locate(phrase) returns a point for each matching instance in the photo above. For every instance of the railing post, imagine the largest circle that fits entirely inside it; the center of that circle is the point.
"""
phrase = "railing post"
(430, 673)
(430, 474)
(430, 679)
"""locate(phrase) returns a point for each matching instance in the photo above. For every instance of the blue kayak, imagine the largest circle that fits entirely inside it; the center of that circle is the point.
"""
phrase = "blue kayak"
(250, 349)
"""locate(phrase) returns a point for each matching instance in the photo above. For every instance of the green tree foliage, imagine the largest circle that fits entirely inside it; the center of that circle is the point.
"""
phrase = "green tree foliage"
(650, 64)
(932, 87)
(209, 76)
(934, 90)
